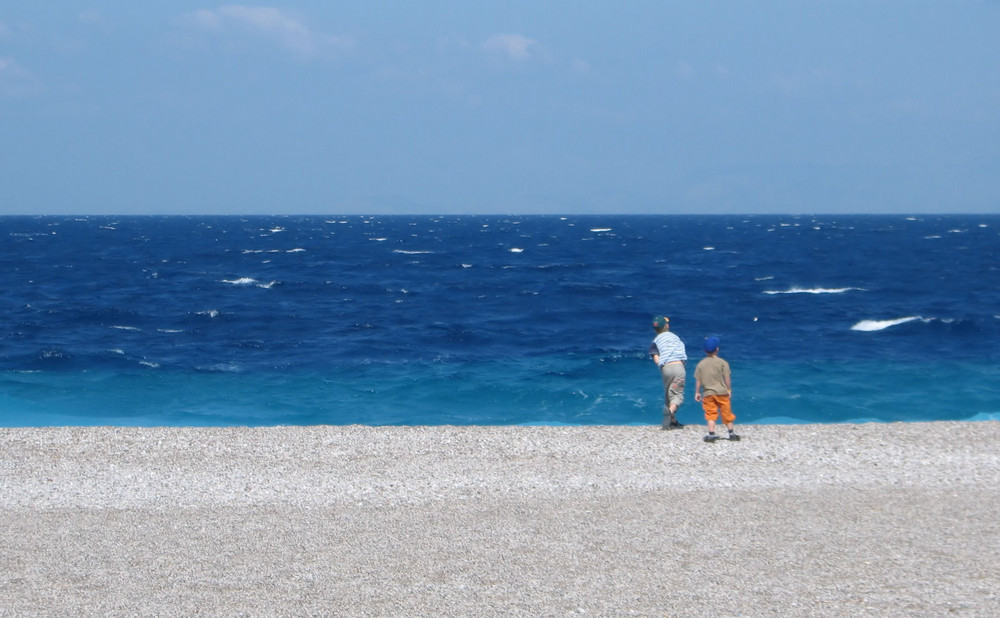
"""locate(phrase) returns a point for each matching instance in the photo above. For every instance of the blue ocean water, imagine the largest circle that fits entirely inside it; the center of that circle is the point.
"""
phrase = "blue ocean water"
(207, 321)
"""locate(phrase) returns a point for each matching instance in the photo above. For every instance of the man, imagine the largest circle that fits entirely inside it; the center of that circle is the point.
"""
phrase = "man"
(669, 355)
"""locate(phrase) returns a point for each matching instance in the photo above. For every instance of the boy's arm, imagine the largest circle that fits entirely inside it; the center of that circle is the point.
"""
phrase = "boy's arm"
(697, 389)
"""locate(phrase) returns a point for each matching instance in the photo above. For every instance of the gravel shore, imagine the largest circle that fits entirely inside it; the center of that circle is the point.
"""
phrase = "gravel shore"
(808, 520)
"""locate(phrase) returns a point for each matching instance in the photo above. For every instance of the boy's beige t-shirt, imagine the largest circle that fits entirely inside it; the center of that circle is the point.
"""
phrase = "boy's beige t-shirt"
(712, 371)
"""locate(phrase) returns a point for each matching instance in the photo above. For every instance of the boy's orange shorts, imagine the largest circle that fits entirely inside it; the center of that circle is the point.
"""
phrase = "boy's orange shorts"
(713, 404)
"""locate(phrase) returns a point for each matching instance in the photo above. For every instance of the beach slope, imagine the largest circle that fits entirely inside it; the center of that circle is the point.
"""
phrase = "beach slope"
(880, 519)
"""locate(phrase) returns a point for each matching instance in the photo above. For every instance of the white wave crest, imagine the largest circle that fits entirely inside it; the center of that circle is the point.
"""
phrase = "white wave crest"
(798, 290)
(250, 281)
(876, 325)
(240, 281)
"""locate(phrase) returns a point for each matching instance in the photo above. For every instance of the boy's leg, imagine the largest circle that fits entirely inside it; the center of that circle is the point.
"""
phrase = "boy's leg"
(710, 406)
(673, 393)
(725, 407)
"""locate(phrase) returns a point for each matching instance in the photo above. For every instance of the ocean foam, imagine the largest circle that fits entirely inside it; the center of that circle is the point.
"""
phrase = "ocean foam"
(985, 416)
(242, 281)
(798, 290)
(876, 325)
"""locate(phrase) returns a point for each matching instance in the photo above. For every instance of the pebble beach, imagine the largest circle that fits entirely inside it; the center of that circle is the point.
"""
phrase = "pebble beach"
(793, 520)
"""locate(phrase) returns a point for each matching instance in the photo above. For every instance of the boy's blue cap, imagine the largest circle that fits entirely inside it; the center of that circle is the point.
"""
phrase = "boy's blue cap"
(711, 344)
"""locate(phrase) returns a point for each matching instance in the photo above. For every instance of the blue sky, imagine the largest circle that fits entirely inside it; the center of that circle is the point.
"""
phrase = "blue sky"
(846, 106)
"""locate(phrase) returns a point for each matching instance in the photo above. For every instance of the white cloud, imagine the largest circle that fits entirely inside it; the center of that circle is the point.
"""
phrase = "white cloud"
(15, 80)
(91, 17)
(514, 46)
(580, 67)
(684, 69)
(280, 27)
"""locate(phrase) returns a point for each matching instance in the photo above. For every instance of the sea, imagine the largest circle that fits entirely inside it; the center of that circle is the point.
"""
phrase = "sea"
(492, 320)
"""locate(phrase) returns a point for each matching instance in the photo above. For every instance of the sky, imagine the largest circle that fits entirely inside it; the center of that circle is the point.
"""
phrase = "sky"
(490, 107)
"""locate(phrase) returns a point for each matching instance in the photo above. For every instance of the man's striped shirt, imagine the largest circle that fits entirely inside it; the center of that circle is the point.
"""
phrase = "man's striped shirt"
(669, 347)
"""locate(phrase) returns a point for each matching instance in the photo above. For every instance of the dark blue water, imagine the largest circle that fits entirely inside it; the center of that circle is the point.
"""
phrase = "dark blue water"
(492, 320)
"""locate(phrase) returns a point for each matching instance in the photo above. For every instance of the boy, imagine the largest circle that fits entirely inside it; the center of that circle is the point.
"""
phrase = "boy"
(712, 373)
(669, 354)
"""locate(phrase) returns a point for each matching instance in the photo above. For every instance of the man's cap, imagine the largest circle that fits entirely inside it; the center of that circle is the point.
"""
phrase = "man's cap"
(660, 321)
(711, 344)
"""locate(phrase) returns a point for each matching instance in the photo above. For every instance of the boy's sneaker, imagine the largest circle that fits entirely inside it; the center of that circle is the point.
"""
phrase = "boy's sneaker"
(734, 437)
(711, 437)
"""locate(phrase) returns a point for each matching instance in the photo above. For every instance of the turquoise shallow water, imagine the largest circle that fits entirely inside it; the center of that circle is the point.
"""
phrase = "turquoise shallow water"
(491, 320)
(625, 392)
